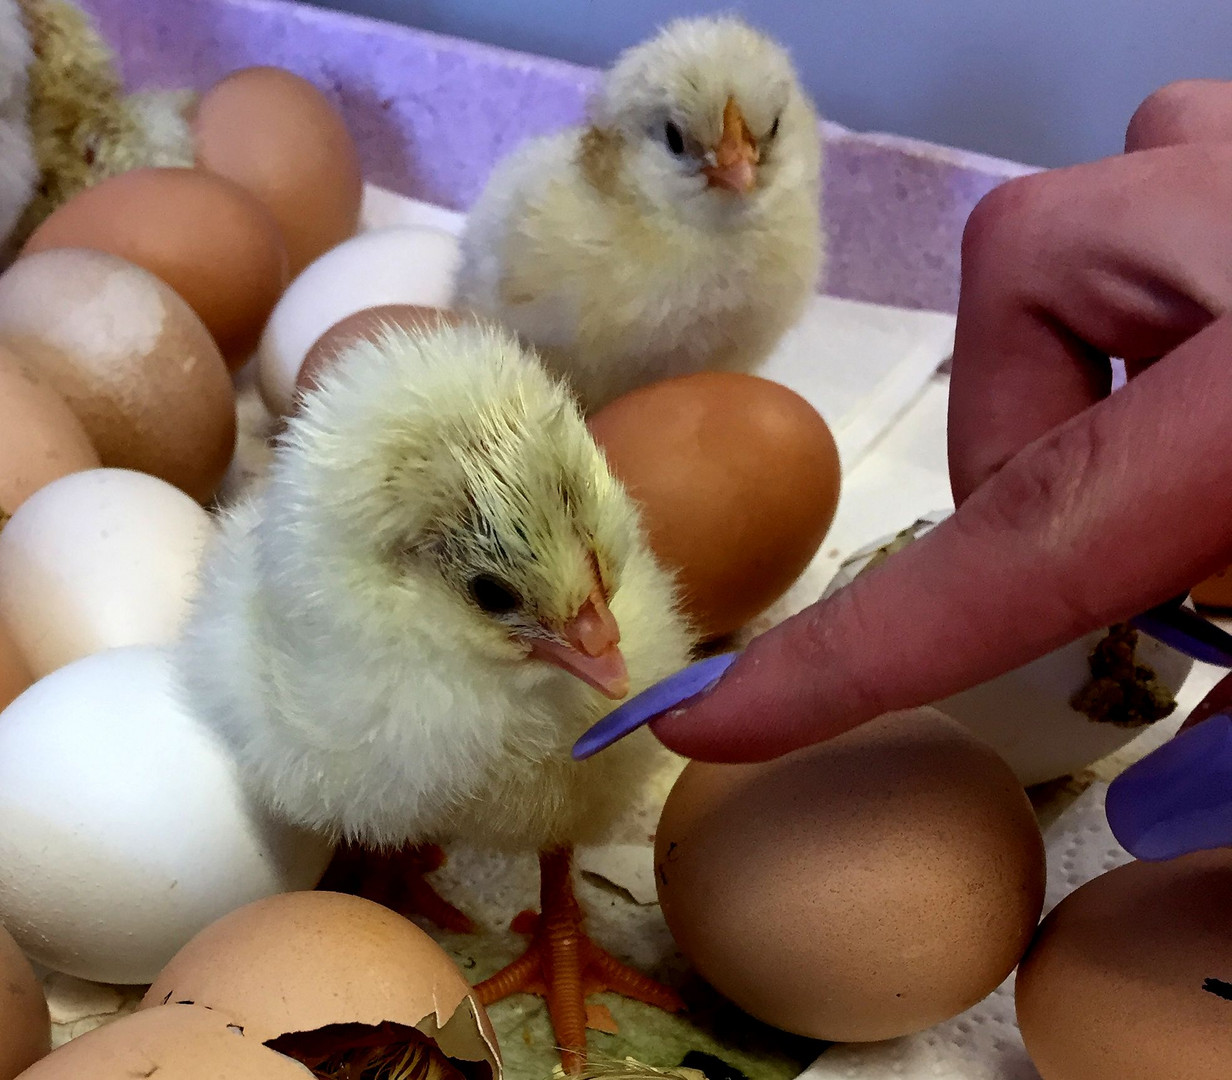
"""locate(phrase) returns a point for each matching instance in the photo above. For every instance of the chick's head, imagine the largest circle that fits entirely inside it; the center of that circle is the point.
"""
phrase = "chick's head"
(711, 118)
(438, 484)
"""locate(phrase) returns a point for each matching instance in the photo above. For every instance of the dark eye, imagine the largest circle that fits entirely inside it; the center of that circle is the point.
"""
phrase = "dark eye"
(774, 128)
(675, 141)
(493, 595)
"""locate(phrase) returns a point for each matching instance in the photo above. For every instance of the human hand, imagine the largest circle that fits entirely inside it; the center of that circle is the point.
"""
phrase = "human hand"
(1076, 509)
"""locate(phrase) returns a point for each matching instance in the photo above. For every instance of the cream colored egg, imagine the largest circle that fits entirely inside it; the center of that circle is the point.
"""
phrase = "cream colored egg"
(397, 265)
(97, 560)
(131, 359)
(124, 824)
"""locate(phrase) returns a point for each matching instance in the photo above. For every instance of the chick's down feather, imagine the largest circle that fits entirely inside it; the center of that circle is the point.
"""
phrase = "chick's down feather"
(361, 635)
(678, 231)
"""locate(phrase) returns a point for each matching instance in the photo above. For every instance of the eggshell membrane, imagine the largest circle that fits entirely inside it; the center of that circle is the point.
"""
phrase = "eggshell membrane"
(862, 889)
(279, 137)
(738, 479)
(303, 960)
(178, 1042)
(211, 241)
(41, 438)
(1130, 977)
(99, 560)
(1215, 591)
(402, 264)
(366, 325)
(130, 358)
(15, 673)
(25, 1025)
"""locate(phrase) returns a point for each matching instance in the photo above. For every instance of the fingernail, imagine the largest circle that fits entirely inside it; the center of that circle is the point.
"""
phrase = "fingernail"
(1177, 799)
(692, 682)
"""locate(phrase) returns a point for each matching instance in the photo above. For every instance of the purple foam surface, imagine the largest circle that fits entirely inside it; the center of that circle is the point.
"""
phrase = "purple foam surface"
(432, 114)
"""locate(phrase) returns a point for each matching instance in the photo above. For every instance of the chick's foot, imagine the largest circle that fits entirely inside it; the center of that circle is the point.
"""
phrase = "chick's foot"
(398, 880)
(565, 967)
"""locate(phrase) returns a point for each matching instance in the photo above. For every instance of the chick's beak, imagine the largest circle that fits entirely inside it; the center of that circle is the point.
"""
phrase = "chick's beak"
(591, 649)
(736, 156)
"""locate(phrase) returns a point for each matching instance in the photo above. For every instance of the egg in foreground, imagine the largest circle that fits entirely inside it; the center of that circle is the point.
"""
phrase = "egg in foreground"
(321, 962)
(124, 827)
(1130, 977)
(865, 888)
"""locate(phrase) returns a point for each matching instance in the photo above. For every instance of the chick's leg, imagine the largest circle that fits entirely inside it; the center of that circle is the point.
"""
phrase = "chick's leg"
(564, 966)
(398, 880)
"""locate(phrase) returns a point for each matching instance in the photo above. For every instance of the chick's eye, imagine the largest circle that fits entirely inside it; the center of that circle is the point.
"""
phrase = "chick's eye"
(774, 128)
(493, 595)
(675, 140)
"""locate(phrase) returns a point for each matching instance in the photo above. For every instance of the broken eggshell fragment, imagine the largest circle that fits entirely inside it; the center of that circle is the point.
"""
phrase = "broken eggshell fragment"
(1063, 712)
(177, 1042)
(302, 962)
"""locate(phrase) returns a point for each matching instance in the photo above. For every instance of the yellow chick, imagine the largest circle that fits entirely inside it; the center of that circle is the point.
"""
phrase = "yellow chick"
(679, 231)
(438, 589)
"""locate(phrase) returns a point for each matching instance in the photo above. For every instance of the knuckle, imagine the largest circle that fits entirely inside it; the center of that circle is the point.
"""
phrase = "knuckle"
(1165, 116)
(1000, 220)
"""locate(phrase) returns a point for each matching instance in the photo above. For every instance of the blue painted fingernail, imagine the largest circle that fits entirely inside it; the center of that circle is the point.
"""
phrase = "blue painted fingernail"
(640, 710)
(1177, 799)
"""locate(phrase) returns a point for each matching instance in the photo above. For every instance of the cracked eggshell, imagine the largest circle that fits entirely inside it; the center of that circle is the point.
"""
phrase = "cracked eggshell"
(178, 1042)
(25, 1025)
(1025, 714)
(305, 960)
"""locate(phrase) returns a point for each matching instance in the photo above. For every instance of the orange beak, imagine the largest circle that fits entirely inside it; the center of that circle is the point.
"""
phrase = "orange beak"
(591, 649)
(736, 156)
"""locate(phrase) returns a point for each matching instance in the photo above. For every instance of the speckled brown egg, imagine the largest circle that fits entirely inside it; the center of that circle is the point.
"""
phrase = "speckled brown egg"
(1130, 977)
(41, 438)
(738, 479)
(25, 1027)
(130, 358)
(212, 241)
(177, 1042)
(865, 888)
(366, 325)
(303, 961)
(279, 137)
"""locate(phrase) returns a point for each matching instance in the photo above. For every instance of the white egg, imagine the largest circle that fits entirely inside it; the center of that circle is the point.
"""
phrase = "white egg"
(1025, 714)
(124, 829)
(396, 265)
(97, 560)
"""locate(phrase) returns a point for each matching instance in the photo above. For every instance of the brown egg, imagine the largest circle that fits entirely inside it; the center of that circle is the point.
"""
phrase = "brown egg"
(738, 479)
(131, 360)
(1130, 977)
(177, 1042)
(861, 889)
(25, 1027)
(209, 239)
(1215, 591)
(278, 136)
(304, 960)
(365, 325)
(41, 438)
(15, 676)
